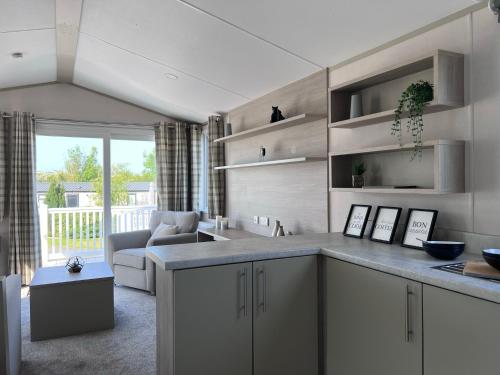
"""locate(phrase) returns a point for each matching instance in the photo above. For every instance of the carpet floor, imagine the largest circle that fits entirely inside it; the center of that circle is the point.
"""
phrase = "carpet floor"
(129, 348)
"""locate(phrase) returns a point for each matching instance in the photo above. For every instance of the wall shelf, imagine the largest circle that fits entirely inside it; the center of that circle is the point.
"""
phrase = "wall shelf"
(279, 125)
(444, 69)
(303, 159)
(441, 170)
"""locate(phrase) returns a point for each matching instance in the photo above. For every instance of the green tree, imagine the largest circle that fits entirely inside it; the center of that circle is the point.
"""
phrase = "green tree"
(120, 175)
(55, 195)
(149, 165)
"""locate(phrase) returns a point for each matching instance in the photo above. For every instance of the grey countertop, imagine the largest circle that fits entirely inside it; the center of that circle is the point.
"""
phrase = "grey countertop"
(394, 259)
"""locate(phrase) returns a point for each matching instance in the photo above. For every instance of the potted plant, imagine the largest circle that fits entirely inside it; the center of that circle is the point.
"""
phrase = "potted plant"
(413, 99)
(358, 170)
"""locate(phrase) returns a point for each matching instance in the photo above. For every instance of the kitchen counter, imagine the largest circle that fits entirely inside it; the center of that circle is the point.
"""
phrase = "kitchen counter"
(393, 259)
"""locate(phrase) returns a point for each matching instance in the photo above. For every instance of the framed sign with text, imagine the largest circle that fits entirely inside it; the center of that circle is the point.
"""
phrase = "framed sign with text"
(356, 221)
(385, 224)
(419, 227)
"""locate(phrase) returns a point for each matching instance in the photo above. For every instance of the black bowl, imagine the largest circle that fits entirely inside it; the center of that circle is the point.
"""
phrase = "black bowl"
(445, 250)
(492, 257)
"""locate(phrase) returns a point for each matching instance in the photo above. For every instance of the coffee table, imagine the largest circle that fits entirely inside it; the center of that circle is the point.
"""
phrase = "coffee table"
(64, 304)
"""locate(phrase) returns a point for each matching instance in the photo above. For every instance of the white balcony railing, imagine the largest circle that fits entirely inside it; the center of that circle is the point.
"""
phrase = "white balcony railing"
(79, 231)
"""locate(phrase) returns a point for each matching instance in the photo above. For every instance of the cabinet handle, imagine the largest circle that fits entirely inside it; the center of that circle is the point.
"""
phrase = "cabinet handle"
(261, 272)
(242, 275)
(408, 328)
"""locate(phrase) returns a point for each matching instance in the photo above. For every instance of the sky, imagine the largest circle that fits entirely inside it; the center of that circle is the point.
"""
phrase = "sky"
(51, 151)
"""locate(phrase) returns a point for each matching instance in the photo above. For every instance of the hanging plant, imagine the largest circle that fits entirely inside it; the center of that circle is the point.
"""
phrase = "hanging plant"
(413, 99)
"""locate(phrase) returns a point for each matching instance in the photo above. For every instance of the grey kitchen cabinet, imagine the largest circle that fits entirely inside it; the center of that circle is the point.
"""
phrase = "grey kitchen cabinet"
(248, 318)
(461, 334)
(373, 322)
(285, 293)
(213, 320)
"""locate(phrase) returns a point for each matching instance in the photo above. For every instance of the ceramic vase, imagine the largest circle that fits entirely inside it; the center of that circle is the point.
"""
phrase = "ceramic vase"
(358, 181)
(276, 228)
(281, 232)
(356, 106)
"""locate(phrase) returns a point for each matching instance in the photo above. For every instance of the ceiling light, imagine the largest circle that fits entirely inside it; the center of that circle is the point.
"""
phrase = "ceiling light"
(171, 76)
(17, 55)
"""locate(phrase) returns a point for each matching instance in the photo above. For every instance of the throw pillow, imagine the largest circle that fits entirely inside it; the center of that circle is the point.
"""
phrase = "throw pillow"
(162, 230)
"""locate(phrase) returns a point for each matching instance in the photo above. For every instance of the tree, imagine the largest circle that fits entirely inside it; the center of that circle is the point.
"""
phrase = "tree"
(149, 165)
(55, 195)
(120, 175)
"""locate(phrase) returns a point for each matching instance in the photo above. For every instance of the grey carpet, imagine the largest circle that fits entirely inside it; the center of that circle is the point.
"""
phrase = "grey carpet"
(129, 348)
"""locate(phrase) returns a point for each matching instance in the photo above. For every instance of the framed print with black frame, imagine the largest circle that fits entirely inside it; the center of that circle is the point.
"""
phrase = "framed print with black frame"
(356, 221)
(385, 224)
(419, 227)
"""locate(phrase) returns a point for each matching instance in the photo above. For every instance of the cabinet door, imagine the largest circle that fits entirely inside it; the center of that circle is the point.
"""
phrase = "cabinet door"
(213, 320)
(373, 322)
(461, 334)
(286, 316)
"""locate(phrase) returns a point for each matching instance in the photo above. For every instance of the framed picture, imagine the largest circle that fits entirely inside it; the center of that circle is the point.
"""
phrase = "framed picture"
(356, 221)
(385, 224)
(419, 227)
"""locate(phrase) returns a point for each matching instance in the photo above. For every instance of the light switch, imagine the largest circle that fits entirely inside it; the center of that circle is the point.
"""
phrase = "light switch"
(256, 220)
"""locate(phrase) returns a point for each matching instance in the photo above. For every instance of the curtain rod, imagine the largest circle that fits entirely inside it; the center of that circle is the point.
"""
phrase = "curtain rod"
(5, 115)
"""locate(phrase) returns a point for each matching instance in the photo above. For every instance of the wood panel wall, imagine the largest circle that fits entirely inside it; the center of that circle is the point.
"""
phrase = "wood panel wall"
(297, 195)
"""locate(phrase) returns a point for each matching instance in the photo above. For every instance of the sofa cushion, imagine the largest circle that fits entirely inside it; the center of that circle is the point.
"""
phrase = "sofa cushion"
(135, 258)
(162, 230)
(186, 221)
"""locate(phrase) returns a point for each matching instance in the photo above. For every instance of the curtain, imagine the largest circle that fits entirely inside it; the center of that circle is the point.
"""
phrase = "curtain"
(172, 166)
(216, 158)
(195, 166)
(3, 167)
(24, 231)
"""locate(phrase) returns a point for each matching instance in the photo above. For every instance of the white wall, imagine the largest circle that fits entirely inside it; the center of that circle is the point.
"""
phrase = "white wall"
(477, 36)
(63, 101)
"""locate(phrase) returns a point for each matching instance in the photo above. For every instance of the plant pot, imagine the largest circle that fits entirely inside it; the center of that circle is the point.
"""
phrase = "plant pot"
(358, 181)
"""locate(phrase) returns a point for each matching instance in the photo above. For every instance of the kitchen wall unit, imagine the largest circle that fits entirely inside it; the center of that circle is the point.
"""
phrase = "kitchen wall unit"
(373, 322)
(248, 318)
(462, 334)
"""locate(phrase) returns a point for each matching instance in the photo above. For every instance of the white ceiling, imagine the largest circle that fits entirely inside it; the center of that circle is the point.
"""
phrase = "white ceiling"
(223, 52)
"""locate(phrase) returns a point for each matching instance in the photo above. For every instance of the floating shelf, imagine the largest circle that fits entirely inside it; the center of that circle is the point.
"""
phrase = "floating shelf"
(441, 171)
(376, 118)
(303, 159)
(279, 125)
(447, 78)
(387, 191)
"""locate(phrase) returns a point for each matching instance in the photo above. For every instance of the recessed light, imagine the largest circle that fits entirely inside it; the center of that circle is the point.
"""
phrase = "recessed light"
(171, 76)
(17, 55)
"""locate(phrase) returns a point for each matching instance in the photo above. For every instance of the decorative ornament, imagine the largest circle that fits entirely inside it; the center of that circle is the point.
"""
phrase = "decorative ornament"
(75, 264)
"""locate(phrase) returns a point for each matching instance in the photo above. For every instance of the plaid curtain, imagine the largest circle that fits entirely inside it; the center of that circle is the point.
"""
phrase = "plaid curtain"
(3, 167)
(195, 166)
(24, 231)
(178, 166)
(216, 158)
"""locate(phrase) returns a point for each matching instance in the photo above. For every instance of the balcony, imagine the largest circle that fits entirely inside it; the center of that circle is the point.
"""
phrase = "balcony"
(79, 231)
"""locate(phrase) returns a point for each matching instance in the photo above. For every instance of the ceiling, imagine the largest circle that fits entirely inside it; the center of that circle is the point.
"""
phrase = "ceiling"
(223, 53)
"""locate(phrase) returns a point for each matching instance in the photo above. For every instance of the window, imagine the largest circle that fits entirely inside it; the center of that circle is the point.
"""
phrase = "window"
(72, 200)
(92, 180)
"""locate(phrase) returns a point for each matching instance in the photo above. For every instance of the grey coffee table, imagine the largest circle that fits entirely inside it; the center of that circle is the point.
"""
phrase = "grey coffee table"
(64, 304)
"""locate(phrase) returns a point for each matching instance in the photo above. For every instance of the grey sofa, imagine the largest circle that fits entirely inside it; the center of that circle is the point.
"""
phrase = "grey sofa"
(127, 251)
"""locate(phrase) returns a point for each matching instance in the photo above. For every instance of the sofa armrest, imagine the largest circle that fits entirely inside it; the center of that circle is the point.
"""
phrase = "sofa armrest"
(128, 240)
(175, 239)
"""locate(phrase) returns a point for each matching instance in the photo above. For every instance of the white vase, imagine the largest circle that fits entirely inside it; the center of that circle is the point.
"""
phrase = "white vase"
(276, 228)
(356, 106)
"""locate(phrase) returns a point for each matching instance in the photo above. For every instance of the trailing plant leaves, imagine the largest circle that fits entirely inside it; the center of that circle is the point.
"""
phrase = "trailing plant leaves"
(413, 99)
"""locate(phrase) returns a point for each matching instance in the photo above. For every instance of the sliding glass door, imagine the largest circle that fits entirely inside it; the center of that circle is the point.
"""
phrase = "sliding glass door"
(91, 181)
(69, 195)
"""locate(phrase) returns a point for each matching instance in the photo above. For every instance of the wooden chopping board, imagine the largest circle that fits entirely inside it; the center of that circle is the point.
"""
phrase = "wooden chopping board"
(478, 268)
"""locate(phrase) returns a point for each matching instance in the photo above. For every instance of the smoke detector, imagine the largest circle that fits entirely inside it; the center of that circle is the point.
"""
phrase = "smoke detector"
(495, 8)
(17, 55)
